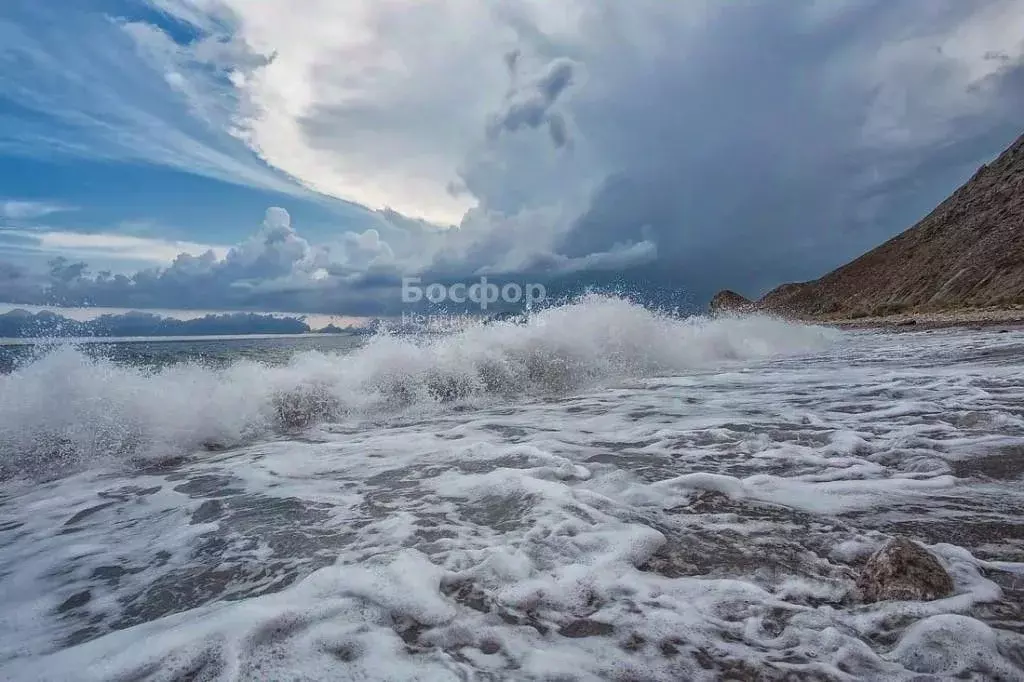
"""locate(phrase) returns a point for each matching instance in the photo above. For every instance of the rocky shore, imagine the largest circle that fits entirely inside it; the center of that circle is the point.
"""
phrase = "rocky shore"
(976, 318)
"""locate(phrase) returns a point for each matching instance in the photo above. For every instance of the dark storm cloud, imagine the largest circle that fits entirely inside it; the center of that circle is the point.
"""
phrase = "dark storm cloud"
(531, 103)
(759, 152)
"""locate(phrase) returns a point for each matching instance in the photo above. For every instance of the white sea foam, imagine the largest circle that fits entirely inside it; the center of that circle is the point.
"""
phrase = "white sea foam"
(701, 520)
(66, 409)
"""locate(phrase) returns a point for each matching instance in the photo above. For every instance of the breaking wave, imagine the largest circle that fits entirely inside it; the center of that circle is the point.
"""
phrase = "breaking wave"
(66, 409)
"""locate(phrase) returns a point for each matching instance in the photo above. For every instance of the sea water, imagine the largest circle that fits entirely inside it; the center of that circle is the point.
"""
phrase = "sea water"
(603, 493)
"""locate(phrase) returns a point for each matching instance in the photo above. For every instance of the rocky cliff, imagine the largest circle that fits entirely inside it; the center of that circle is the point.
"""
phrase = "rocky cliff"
(967, 253)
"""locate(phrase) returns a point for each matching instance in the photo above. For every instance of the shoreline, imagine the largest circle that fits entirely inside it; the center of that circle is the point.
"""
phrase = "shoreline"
(978, 318)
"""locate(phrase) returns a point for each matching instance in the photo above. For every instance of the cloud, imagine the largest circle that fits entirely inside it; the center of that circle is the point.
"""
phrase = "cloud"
(96, 87)
(274, 264)
(740, 136)
(116, 246)
(532, 104)
(365, 101)
(19, 284)
(13, 209)
(687, 146)
(117, 252)
(277, 269)
(745, 143)
(367, 250)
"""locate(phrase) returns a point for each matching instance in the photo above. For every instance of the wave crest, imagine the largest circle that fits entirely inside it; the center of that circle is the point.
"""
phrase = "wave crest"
(65, 409)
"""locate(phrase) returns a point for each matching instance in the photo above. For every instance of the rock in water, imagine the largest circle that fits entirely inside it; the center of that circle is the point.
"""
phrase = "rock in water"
(729, 302)
(903, 570)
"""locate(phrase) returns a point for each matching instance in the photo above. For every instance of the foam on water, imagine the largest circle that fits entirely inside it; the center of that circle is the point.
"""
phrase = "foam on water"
(67, 409)
(697, 509)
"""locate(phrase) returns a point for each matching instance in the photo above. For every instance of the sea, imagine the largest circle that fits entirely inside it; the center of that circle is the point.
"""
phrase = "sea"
(599, 493)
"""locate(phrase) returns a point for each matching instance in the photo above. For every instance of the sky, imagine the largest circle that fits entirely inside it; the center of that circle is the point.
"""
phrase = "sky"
(306, 157)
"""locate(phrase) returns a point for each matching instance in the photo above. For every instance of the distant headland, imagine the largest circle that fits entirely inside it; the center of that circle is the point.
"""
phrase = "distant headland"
(20, 323)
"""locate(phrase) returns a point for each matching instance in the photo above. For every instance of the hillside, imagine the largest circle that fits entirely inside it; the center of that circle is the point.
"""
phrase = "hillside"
(967, 253)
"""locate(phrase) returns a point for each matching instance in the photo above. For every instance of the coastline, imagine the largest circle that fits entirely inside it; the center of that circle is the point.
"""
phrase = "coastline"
(975, 318)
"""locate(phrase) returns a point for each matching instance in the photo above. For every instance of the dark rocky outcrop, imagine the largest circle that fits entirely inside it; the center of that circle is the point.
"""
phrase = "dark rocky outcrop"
(729, 302)
(967, 253)
(904, 570)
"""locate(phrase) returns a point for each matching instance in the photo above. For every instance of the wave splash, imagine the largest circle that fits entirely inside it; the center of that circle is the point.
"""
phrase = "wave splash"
(65, 409)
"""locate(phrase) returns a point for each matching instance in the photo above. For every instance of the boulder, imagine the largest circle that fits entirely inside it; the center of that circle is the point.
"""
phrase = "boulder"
(904, 570)
(729, 302)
